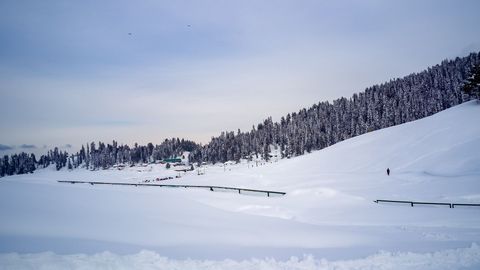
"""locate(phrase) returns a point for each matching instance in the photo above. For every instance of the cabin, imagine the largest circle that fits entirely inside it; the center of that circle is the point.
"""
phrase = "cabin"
(172, 160)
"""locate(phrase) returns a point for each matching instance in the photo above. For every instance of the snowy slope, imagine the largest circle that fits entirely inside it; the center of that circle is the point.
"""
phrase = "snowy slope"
(328, 210)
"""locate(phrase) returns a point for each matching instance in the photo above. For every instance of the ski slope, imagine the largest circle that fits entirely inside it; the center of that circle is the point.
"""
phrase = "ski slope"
(328, 212)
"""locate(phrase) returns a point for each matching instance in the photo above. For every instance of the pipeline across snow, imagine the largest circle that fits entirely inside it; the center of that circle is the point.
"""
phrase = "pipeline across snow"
(450, 205)
(211, 188)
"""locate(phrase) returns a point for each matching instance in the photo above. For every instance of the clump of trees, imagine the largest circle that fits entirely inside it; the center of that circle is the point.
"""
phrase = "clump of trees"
(17, 164)
(96, 156)
(472, 84)
(27, 163)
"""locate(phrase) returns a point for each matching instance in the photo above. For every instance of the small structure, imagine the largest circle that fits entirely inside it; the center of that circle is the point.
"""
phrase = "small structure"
(172, 160)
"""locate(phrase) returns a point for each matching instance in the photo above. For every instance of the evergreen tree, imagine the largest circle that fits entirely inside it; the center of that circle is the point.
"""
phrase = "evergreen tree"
(472, 84)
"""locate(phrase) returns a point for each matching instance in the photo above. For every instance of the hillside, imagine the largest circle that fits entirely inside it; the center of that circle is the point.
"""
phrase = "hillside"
(392, 103)
(328, 210)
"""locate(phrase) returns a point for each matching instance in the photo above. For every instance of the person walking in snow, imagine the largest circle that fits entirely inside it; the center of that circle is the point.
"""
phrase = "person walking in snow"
(388, 171)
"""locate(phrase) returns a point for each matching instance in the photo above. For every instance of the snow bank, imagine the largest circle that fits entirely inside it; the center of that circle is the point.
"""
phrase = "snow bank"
(464, 258)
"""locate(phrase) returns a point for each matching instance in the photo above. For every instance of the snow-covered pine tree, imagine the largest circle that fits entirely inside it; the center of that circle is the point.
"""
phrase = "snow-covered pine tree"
(472, 84)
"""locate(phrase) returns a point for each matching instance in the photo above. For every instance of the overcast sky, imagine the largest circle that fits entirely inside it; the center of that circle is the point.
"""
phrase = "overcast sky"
(141, 71)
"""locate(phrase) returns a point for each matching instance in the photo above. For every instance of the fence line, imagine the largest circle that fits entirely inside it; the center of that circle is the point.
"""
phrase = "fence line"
(450, 205)
(465, 204)
(211, 188)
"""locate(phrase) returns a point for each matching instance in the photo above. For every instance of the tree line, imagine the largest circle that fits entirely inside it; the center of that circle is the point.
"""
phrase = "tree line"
(96, 156)
(392, 103)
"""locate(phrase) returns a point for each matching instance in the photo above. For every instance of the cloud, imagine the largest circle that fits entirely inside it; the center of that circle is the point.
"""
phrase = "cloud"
(67, 145)
(5, 147)
(238, 63)
(27, 146)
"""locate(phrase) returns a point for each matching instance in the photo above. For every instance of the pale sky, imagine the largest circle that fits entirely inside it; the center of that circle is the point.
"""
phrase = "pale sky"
(141, 71)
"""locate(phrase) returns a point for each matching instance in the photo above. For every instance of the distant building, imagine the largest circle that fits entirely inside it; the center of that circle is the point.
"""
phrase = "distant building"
(181, 159)
(172, 160)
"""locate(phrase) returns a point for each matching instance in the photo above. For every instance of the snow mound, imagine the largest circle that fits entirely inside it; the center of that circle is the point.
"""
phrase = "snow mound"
(464, 258)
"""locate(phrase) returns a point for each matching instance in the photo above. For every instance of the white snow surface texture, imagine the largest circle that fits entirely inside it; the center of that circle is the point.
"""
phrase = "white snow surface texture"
(327, 219)
(467, 258)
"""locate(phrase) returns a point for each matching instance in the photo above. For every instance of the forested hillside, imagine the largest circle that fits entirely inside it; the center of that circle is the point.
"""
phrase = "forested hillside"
(395, 102)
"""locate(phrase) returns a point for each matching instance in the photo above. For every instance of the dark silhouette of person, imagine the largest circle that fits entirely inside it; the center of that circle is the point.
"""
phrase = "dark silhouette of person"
(388, 171)
(211, 189)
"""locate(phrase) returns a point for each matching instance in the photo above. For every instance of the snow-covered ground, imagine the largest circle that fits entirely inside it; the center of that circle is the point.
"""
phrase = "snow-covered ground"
(328, 213)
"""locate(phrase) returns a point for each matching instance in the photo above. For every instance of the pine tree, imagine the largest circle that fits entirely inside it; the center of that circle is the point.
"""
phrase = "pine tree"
(472, 84)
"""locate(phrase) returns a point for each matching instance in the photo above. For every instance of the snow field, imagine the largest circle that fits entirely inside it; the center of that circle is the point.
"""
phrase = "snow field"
(328, 210)
(465, 258)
